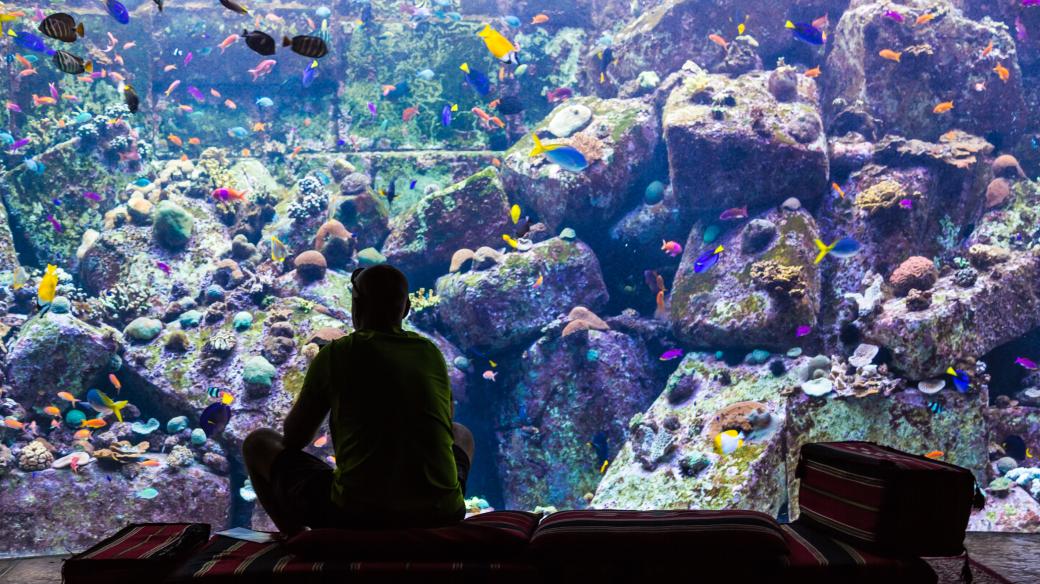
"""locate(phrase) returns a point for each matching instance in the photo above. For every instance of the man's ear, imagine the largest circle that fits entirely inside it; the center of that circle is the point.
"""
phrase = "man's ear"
(407, 307)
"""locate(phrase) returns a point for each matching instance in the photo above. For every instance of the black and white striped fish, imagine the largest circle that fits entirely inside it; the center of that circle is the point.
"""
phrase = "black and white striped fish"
(70, 63)
(61, 26)
(308, 46)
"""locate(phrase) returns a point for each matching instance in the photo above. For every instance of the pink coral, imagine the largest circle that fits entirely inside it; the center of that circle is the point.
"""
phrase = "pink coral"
(916, 272)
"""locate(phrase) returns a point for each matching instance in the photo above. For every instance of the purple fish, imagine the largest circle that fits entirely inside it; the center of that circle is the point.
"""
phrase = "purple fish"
(163, 266)
(54, 91)
(372, 109)
(194, 92)
(906, 203)
(412, 185)
(802, 330)
(92, 196)
(1030, 2)
(893, 15)
(1020, 30)
(734, 213)
(308, 76)
(96, 75)
(1027, 363)
(14, 107)
(214, 418)
(188, 58)
(19, 144)
(671, 354)
(446, 116)
(54, 222)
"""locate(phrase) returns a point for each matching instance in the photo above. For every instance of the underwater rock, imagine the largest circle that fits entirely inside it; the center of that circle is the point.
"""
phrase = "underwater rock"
(783, 83)
(488, 309)
(366, 217)
(617, 143)
(817, 387)
(172, 225)
(642, 476)
(1006, 166)
(1015, 512)
(543, 457)
(731, 143)
(370, 256)
(749, 300)
(60, 305)
(340, 169)
(143, 329)
(258, 371)
(961, 322)
(56, 351)
(902, 420)
(984, 256)
(355, 183)
(569, 120)
(51, 498)
(176, 424)
(335, 243)
(310, 265)
(278, 350)
(857, 74)
(998, 191)
(757, 236)
(915, 272)
(468, 214)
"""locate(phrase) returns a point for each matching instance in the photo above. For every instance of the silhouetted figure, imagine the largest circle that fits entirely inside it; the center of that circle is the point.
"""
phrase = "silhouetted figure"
(400, 461)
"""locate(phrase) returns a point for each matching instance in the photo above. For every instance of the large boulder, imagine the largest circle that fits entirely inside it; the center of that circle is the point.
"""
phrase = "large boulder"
(44, 508)
(569, 389)
(1016, 512)
(1001, 304)
(939, 62)
(56, 352)
(617, 141)
(468, 214)
(670, 460)
(764, 286)
(734, 142)
(501, 306)
(905, 420)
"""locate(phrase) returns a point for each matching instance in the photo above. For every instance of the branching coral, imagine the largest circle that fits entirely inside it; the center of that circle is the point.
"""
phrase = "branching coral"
(778, 278)
(884, 195)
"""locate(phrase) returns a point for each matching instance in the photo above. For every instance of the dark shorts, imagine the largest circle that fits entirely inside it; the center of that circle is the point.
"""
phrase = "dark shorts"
(302, 485)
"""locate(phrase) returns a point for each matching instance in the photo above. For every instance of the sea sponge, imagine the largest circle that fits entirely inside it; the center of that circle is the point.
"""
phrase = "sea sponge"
(173, 225)
(459, 259)
(915, 272)
(310, 265)
(583, 319)
(1007, 166)
(997, 192)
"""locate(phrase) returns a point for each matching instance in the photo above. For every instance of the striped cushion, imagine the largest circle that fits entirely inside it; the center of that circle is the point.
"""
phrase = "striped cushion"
(883, 499)
(226, 561)
(632, 533)
(143, 550)
(818, 558)
(494, 535)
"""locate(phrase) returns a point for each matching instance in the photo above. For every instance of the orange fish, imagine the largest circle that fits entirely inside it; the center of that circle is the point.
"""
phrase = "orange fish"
(23, 62)
(184, 157)
(176, 140)
(821, 22)
(540, 18)
(484, 117)
(194, 141)
(13, 424)
(112, 376)
(321, 441)
(186, 108)
(295, 151)
(388, 88)
(94, 423)
(149, 462)
(813, 73)
(494, 104)
(943, 107)
(718, 40)
(986, 51)
(498, 122)
(169, 68)
(55, 424)
(67, 397)
(890, 55)
(310, 23)
(259, 127)
(1002, 72)
(306, 122)
(129, 45)
(52, 411)
(496, 163)
(409, 113)
(45, 100)
(27, 72)
(538, 282)
(949, 135)
(838, 190)
(659, 313)
(935, 454)
(246, 152)
(85, 79)
(230, 104)
(215, 93)
(119, 59)
(81, 434)
(926, 17)
(117, 76)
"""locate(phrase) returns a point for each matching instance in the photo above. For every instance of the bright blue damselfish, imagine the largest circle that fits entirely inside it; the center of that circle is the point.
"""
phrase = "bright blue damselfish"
(118, 11)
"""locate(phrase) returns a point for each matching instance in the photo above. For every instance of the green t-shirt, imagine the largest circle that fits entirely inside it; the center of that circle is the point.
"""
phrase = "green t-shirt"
(391, 426)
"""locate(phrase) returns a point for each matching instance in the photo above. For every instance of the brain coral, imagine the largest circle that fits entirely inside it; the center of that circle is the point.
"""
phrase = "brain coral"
(916, 272)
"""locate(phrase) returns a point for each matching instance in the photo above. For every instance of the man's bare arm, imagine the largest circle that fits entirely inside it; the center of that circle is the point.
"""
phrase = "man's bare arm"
(312, 406)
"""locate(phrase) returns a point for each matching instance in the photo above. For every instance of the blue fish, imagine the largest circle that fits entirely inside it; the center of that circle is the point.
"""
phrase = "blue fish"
(238, 132)
(806, 32)
(512, 21)
(445, 117)
(29, 41)
(104, 404)
(118, 11)
(842, 248)
(324, 178)
(935, 407)
(707, 260)
(412, 185)
(264, 102)
(309, 74)
(476, 79)
(82, 117)
(568, 157)
(215, 418)
(6, 138)
(425, 74)
(960, 379)
(34, 165)
(142, 182)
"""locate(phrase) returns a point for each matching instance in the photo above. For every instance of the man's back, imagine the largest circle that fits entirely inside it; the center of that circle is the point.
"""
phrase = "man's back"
(391, 427)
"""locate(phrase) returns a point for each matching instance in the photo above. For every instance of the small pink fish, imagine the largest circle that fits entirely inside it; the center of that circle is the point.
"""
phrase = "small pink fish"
(188, 58)
(54, 91)
(893, 15)
(54, 223)
(38, 14)
(164, 267)
(92, 196)
(672, 248)
(489, 375)
(18, 144)
(14, 107)
(129, 45)
(1027, 363)
(802, 330)
(734, 213)
(671, 354)
(1020, 30)
(906, 203)
(263, 68)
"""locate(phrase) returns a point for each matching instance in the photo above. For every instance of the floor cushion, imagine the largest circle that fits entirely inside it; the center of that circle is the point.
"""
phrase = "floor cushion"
(496, 535)
(136, 552)
(818, 558)
(230, 561)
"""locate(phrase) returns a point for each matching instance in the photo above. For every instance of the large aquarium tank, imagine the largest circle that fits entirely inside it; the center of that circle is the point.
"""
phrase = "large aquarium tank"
(660, 243)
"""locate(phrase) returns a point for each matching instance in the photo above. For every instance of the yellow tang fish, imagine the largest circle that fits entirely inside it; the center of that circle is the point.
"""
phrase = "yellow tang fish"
(514, 214)
(500, 47)
(512, 242)
(741, 28)
(278, 250)
(19, 278)
(48, 284)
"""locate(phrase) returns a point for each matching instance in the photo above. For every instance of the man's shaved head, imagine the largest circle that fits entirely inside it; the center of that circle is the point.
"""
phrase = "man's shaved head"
(380, 296)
